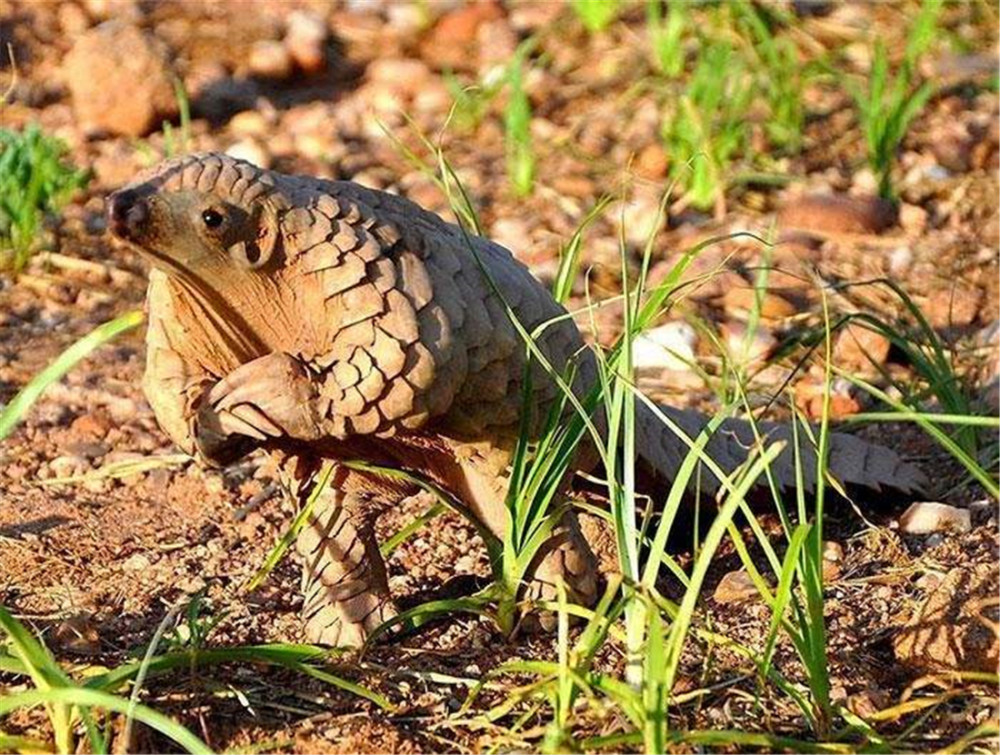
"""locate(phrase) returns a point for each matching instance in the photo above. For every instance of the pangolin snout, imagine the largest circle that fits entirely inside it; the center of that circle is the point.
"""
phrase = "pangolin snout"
(127, 214)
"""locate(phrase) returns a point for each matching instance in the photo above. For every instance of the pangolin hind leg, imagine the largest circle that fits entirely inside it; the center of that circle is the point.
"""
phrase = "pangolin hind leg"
(344, 584)
(565, 557)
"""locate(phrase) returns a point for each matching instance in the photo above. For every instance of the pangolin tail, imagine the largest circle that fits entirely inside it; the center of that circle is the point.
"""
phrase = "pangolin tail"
(851, 460)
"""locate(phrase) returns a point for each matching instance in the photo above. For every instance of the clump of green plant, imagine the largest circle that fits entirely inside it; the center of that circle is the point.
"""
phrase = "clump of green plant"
(667, 35)
(708, 127)
(887, 103)
(36, 182)
(596, 15)
(779, 75)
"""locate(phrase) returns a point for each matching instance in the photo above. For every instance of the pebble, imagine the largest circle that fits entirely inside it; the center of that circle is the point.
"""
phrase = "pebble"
(137, 562)
(249, 123)
(270, 59)
(833, 558)
(838, 214)
(735, 587)
(252, 151)
(512, 233)
(640, 216)
(305, 39)
(120, 80)
(667, 347)
(88, 449)
(860, 349)
(69, 465)
(738, 301)
(900, 260)
(924, 518)
(78, 634)
(734, 335)
(913, 219)
(651, 162)
(953, 306)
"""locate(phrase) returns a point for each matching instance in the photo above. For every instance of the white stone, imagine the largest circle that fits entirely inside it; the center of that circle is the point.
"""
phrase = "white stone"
(927, 517)
(668, 347)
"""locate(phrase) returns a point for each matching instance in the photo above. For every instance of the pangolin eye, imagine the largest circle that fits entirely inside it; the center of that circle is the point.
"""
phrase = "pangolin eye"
(212, 219)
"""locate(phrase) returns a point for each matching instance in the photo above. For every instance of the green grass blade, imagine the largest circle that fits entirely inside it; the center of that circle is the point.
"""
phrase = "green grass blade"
(27, 396)
(90, 698)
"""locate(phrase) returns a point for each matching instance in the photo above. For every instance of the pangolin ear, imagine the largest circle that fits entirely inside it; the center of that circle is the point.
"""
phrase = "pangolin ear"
(262, 243)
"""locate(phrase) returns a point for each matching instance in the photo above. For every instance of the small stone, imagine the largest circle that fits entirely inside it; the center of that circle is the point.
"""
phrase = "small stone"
(913, 219)
(956, 627)
(78, 635)
(652, 163)
(305, 40)
(640, 216)
(88, 449)
(95, 424)
(900, 260)
(251, 151)
(69, 466)
(734, 335)
(738, 301)
(735, 587)
(137, 562)
(249, 123)
(120, 80)
(868, 702)
(667, 347)
(838, 214)
(953, 306)
(833, 557)
(270, 59)
(511, 232)
(73, 19)
(860, 349)
(452, 42)
(928, 517)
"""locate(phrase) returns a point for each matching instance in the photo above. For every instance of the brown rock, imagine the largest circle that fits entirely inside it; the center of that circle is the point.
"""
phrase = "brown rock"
(957, 625)
(270, 59)
(953, 306)
(120, 80)
(838, 214)
(735, 587)
(305, 40)
(738, 301)
(78, 634)
(860, 349)
(94, 425)
(451, 43)
(652, 163)
(833, 558)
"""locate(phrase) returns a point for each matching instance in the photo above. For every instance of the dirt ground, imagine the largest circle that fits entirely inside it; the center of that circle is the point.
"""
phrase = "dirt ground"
(95, 566)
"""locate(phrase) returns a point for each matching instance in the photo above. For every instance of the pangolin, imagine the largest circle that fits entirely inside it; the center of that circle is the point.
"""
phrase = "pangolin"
(325, 321)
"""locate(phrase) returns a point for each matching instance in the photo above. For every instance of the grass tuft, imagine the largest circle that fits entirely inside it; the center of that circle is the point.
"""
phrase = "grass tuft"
(36, 182)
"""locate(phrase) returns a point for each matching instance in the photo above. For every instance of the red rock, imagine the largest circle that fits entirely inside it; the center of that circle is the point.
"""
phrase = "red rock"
(120, 80)
(860, 349)
(451, 43)
(838, 214)
(953, 306)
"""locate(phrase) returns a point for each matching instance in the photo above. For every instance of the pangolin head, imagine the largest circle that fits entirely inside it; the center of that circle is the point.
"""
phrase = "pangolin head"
(206, 216)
